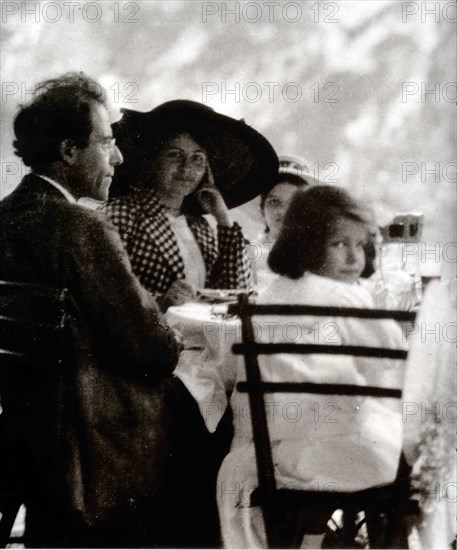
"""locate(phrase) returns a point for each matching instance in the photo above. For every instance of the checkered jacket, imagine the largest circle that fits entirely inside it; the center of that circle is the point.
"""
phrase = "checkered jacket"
(154, 252)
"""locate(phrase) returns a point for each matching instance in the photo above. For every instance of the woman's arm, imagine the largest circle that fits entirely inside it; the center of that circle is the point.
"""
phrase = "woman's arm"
(232, 268)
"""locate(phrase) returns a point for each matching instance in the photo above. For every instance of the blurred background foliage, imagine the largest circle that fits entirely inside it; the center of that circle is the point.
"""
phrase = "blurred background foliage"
(357, 53)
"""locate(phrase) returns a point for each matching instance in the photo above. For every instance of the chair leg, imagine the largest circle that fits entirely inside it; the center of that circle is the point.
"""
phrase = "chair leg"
(375, 528)
(349, 530)
(399, 527)
(297, 531)
(270, 518)
(9, 513)
(285, 528)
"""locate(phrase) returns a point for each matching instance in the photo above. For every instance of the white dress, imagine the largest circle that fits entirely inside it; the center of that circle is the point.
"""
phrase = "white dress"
(319, 442)
(258, 252)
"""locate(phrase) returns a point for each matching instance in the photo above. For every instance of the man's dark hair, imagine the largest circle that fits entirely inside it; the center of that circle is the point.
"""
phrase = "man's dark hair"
(59, 110)
(307, 226)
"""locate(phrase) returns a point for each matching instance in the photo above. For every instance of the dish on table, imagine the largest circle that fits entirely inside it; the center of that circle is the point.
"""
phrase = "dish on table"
(218, 296)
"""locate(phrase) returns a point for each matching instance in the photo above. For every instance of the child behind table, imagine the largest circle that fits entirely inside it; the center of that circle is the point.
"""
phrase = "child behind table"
(354, 442)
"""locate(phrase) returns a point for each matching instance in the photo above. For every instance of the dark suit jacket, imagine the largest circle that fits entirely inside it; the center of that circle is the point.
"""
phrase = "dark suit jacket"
(112, 416)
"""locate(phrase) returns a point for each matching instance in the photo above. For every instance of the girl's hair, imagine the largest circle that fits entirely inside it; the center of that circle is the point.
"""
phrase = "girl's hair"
(307, 227)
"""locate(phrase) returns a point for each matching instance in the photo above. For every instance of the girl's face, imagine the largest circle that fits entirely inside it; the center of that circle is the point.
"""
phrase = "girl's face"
(179, 166)
(276, 205)
(344, 255)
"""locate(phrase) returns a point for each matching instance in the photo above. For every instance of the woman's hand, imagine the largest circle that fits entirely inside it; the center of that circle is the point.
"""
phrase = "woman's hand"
(212, 202)
(178, 294)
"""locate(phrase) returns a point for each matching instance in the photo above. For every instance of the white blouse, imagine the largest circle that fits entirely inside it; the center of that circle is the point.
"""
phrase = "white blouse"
(194, 265)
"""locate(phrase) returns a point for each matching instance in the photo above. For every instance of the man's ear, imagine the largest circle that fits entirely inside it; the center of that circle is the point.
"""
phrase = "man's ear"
(68, 151)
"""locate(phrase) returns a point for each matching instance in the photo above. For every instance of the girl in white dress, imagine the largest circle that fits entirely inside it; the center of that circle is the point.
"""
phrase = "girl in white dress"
(294, 173)
(319, 442)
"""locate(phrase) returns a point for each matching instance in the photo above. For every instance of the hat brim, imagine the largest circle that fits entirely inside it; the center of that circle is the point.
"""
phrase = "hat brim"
(243, 162)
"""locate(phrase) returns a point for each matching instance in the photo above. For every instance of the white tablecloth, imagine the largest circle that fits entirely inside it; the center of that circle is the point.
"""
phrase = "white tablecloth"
(206, 366)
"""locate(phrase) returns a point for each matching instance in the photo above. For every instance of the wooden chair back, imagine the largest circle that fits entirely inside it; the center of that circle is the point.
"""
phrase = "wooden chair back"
(32, 342)
(256, 389)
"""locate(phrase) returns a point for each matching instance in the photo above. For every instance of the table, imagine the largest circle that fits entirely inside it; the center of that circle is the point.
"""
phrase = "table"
(207, 366)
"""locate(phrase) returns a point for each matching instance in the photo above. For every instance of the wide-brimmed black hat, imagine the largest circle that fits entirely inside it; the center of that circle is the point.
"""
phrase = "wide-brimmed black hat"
(243, 162)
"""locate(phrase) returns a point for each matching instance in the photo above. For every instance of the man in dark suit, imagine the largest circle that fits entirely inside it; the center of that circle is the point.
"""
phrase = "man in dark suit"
(96, 485)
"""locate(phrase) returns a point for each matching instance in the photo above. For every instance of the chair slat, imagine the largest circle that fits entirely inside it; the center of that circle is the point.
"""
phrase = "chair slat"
(13, 322)
(319, 311)
(357, 351)
(39, 341)
(29, 288)
(331, 389)
(31, 303)
(13, 353)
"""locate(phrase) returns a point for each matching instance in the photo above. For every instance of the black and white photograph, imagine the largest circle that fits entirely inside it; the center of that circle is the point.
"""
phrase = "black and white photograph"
(228, 313)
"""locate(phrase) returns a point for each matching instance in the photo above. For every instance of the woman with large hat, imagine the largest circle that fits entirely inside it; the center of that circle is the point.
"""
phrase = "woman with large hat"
(183, 160)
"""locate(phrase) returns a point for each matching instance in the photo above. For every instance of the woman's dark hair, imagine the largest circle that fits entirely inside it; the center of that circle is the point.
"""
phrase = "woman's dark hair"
(307, 226)
(136, 173)
(283, 178)
(59, 110)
